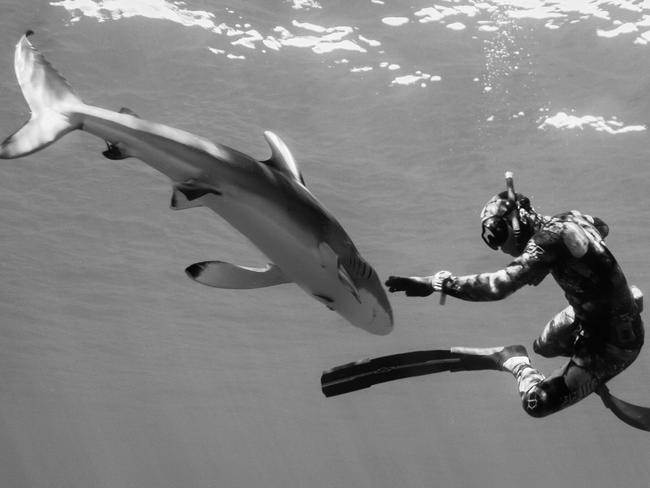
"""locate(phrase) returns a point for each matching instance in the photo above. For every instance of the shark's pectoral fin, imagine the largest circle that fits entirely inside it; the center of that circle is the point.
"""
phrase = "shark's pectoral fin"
(116, 149)
(188, 194)
(226, 275)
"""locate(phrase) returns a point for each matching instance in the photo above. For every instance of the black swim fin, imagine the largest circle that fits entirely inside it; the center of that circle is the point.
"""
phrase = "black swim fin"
(363, 374)
(634, 415)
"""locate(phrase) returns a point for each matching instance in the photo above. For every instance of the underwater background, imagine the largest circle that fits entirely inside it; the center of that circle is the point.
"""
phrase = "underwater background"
(116, 370)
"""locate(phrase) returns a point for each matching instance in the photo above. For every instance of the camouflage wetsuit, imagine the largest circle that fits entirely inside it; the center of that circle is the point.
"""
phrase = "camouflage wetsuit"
(601, 330)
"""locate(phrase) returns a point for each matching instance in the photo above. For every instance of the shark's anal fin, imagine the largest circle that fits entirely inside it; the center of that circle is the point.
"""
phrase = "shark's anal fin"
(118, 150)
(180, 201)
(189, 193)
(226, 275)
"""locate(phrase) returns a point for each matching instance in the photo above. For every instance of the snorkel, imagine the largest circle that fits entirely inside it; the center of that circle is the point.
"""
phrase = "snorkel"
(514, 221)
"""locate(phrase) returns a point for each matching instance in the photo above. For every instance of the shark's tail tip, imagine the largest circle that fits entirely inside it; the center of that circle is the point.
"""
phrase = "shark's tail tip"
(50, 98)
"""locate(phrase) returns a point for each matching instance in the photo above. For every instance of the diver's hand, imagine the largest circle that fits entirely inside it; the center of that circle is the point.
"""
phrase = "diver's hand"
(438, 280)
(413, 286)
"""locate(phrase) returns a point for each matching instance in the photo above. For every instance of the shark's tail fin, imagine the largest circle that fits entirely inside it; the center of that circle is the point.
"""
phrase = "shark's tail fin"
(50, 98)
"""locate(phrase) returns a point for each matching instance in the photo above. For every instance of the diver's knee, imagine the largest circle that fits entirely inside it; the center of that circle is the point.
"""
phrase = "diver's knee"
(536, 403)
(546, 397)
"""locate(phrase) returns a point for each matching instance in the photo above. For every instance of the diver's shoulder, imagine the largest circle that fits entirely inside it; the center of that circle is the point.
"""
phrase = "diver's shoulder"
(556, 224)
(560, 222)
(555, 228)
(549, 234)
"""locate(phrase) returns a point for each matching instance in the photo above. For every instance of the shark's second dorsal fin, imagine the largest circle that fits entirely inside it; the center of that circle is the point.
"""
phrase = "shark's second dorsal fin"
(128, 111)
(281, 158)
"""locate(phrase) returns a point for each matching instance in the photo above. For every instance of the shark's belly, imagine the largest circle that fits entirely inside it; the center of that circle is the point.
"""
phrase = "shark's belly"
(287, 244)
(305, 255)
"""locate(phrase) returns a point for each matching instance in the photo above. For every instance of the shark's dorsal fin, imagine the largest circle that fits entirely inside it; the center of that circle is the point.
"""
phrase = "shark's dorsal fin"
(281, 158)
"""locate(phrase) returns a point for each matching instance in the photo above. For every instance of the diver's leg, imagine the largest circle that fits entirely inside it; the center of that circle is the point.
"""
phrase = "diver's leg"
(513, 359)
(581, 376)
(540, 396)
(525, 374)
(558, 336)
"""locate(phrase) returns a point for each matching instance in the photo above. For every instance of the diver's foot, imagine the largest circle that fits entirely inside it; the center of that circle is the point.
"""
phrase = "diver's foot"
(502, 358)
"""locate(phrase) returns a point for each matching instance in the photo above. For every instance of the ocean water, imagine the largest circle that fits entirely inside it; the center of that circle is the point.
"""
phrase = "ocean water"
(118, 371)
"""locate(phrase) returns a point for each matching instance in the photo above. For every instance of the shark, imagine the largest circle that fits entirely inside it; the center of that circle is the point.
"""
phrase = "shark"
(266, 201)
